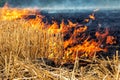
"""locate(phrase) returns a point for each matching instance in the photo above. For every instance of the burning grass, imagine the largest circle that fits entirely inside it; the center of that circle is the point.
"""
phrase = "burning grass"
(21, 46)
(26, 43)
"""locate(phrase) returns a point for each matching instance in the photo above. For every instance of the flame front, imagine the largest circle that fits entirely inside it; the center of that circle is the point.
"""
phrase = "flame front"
(8, 13)
(79, 42)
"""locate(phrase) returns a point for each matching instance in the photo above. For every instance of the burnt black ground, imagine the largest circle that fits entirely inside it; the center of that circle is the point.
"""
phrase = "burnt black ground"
(107, 18)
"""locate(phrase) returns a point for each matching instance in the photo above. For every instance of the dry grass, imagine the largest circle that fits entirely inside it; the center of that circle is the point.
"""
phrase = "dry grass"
(21, 45)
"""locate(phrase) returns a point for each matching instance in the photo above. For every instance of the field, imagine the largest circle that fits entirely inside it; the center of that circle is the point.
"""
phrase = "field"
(29, 52)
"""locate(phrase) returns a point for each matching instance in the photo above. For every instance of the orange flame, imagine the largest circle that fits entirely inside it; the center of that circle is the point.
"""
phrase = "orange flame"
(37, 23)
(102, 36)
(92, 16)
(8, 13)
(110, 40)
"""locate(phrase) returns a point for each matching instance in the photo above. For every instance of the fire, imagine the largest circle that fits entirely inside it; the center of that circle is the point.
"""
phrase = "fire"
(92, 16)
(54, 28)
(86, 20)
(36, 23)
(110, 40)
(100, 35)
(79, 42)
(71, 24)
(105, 36)
(8, 13)
(73, 38)
(83, 46)
(87, 48)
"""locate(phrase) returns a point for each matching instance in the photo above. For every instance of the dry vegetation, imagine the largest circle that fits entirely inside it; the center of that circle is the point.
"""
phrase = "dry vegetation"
(21, 46)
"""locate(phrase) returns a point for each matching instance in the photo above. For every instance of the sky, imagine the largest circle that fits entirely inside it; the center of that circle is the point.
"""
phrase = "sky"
(67, 4)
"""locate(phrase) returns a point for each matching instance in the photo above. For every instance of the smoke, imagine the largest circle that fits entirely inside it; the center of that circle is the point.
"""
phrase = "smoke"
(66, 4)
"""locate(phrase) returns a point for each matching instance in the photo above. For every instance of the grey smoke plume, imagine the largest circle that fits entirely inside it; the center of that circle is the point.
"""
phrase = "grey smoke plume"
(67, 4)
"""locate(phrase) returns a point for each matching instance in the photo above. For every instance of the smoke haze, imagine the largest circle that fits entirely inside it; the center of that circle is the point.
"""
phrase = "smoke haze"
(67, 4)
